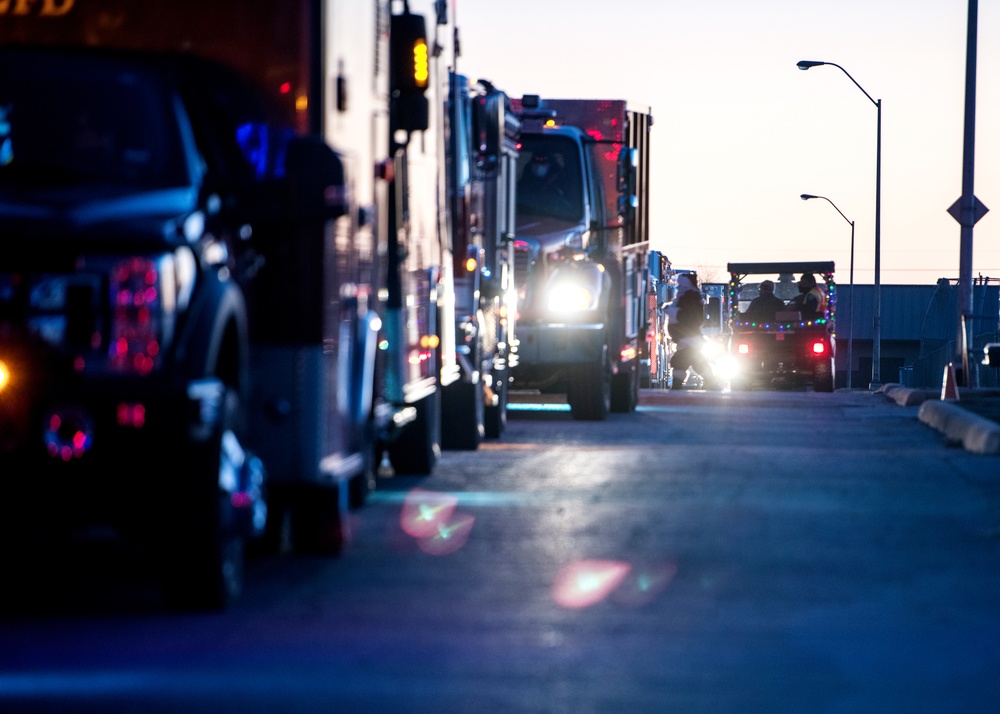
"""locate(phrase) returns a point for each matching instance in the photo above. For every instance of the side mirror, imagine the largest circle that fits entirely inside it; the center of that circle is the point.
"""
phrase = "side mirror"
(316, 180)
(487, 125)
(494, 125)
(627, 165)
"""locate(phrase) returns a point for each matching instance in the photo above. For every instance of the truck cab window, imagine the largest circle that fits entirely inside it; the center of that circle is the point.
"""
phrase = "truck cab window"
(549, 179)
(94, 122)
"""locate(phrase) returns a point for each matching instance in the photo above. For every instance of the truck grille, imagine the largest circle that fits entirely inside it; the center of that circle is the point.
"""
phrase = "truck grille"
(64, 311)
(108, 317)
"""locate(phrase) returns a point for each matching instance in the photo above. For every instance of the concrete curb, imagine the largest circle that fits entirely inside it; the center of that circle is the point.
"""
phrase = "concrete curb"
(973, 432)
(905, 396)
(959, 426)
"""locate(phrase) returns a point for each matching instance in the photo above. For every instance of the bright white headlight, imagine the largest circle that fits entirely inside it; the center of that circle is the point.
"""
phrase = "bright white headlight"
(711, 349)
(727, 368)
(570, 298)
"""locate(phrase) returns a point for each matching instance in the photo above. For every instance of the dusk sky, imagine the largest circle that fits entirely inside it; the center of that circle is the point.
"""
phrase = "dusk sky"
(740, 132)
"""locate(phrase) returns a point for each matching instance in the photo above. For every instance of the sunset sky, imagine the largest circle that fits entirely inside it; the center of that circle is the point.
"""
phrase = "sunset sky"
(740, 132)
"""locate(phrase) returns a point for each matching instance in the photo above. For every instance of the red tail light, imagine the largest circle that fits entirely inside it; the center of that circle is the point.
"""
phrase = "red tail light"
(137, 314)
(743, 348)
(132, 415)
(818, 348)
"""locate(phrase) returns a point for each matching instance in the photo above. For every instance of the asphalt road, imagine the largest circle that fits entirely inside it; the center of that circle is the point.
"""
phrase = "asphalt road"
(755, 552)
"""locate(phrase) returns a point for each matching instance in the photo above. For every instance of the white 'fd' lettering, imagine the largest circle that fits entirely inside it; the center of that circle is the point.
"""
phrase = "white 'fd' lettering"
(49, 8)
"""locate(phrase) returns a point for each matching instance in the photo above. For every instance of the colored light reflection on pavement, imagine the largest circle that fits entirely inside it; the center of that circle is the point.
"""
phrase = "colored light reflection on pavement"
(588, 582)
(433, 520)
(424, 512)
(644, 584)
(449, 537)
(430, 518)
(537, 407)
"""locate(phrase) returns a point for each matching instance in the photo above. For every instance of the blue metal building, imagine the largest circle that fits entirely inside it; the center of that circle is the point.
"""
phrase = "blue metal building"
(919, 329)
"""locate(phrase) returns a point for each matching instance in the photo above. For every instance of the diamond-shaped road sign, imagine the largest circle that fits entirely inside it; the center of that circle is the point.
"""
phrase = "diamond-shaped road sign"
(963, 215)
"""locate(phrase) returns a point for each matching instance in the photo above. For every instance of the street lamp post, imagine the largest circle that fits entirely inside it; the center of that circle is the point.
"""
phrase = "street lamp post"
(877, 306)
(850, 340)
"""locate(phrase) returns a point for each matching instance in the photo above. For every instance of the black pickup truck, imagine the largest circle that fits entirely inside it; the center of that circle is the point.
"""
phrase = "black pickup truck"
(137, 193)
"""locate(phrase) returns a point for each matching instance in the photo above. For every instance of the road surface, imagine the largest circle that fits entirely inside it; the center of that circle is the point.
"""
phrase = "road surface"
(754, 552)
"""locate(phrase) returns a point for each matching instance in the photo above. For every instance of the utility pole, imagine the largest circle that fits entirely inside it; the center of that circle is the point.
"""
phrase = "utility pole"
(967, 210)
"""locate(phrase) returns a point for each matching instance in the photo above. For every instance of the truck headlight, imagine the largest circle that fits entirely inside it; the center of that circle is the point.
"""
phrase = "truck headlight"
(712, 350)
(570, 298)
(727, 368)
(575, 288)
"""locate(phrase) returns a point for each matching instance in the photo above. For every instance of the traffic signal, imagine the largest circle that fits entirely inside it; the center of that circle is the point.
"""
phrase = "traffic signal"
(409, 72)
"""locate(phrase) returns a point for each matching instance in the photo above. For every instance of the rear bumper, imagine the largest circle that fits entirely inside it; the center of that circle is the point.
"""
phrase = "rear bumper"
(101, 452)
(785, 355)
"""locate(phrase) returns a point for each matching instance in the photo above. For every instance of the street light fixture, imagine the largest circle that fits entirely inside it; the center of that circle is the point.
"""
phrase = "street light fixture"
(877, 307)
(850, 341)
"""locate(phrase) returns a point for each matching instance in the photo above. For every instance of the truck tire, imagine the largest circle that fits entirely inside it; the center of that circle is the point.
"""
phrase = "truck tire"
(364, 483)
(589, 393)
(823, 376)
(462, 416)
(416, 450)
(625, 389)
(319, 523)
(495, 416)
(203, 565)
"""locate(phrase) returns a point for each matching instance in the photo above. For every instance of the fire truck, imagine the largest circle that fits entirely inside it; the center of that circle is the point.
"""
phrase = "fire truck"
(581, 251)
(232, 291)
(481, 188)
(657, 353)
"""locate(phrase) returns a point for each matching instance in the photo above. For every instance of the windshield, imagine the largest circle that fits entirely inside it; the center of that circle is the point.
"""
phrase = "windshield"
(550, 179)
(68, 119)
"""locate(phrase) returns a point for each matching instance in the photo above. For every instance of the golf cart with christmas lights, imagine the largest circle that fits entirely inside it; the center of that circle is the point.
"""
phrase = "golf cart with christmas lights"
(783, 324)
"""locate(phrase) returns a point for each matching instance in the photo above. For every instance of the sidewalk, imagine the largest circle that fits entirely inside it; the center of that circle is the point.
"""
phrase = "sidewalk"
(971, 421)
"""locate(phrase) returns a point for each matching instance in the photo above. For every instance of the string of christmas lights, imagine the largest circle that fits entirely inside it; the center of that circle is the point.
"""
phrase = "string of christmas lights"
(734, 313)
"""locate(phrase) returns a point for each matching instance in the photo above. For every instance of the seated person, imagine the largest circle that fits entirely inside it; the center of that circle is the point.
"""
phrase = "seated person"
(811, 300)
(763, 307)
(545, 189)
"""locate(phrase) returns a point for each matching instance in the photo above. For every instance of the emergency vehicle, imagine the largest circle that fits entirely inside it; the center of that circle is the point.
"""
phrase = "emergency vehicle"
(657, 352)
(231, 290)
(581, 251)
(481, 168)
